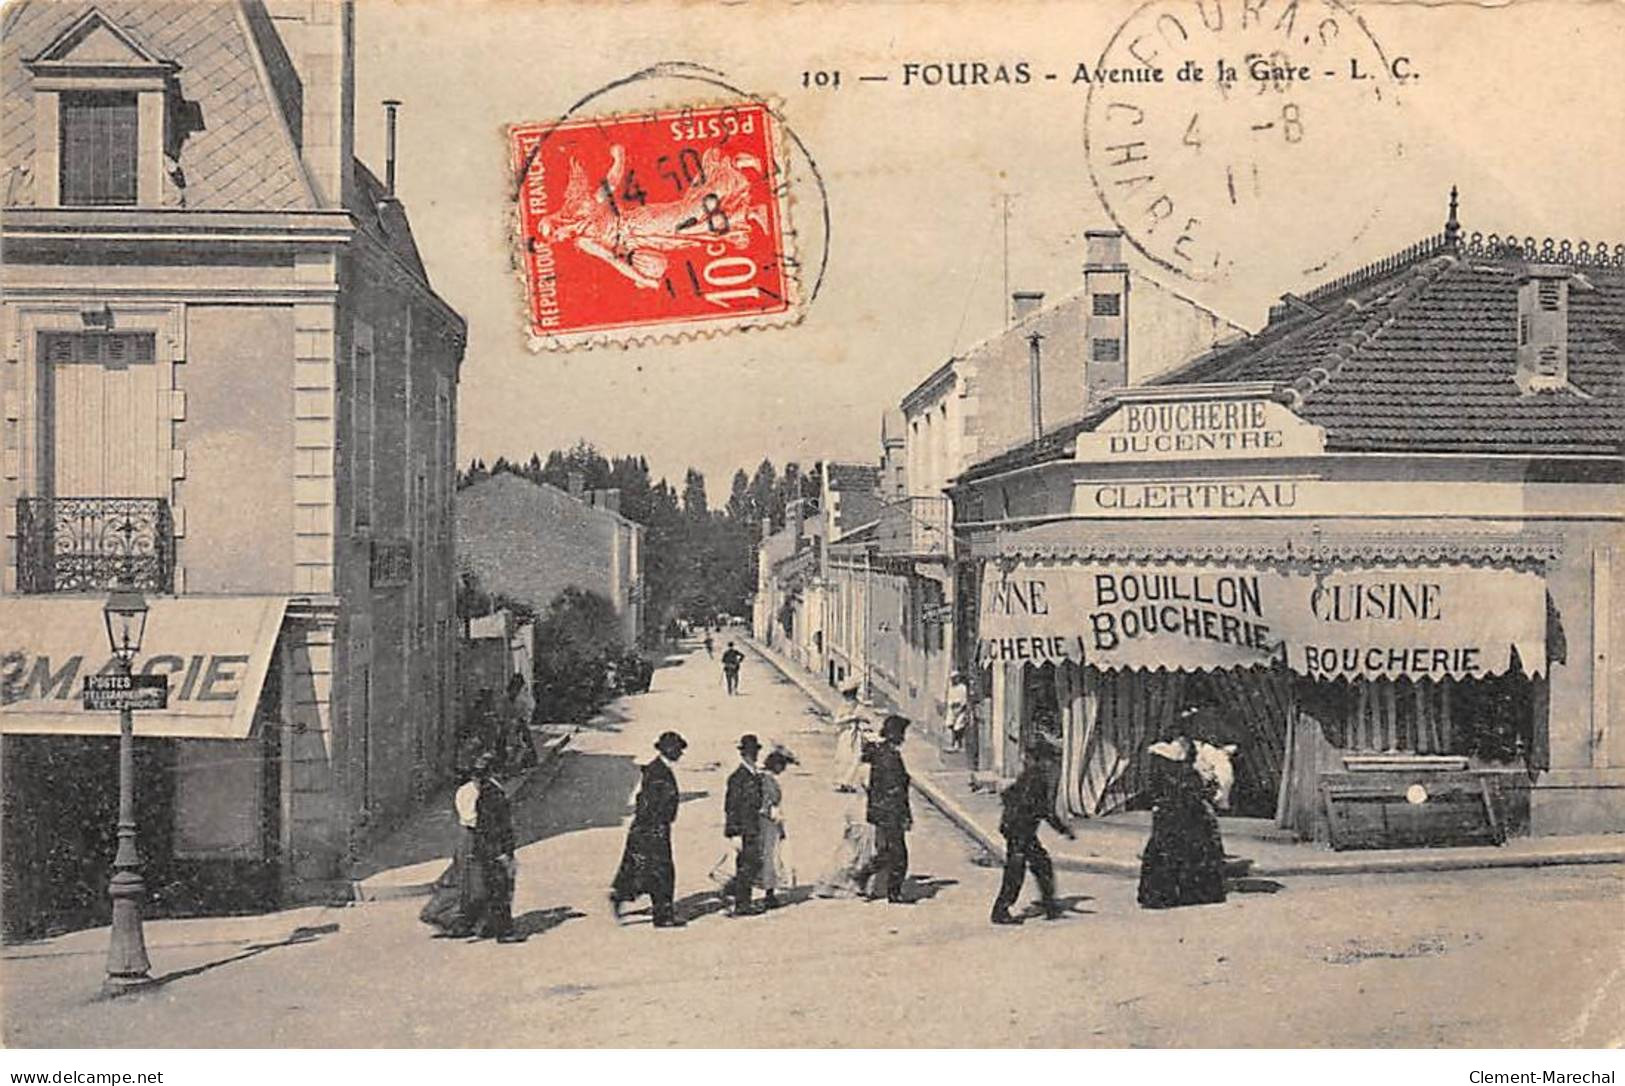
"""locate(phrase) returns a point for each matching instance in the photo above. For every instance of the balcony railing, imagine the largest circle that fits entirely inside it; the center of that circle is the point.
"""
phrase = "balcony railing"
(915, 526)
(94, 544)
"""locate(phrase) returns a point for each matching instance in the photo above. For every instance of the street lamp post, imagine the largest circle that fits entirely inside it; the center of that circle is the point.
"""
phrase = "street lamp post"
(127, 964)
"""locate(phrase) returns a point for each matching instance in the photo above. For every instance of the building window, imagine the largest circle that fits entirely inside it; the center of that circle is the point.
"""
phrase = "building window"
(1107, 350)
(1108, 305)
(98, 148)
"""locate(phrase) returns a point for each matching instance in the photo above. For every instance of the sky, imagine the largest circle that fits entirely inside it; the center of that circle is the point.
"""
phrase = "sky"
(1518, 105)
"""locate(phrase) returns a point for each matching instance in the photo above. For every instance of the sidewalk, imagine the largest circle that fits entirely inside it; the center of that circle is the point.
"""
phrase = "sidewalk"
(1113, 848)
(407, 861)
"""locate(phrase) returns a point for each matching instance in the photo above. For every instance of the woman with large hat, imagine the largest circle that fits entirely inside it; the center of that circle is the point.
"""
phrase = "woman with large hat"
(1183, 862)
(646, 864)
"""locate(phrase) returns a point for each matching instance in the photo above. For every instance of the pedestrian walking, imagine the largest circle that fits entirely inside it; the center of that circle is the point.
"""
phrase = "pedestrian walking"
(646, 864)
(710, 645)
(475, 896)
(854, 728)
(1183, 862)
(1029, 801)
(731, 659)
(775, 868)
(741, 820)
(888, 812)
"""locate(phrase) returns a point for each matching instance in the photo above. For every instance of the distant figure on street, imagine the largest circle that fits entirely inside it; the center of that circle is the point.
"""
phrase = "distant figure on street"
(958, 711)
(475, 897)
(853, 725)
(710, 645)
(1183, 862)
(646, 864)
(741, 819)
(888, 812)
(1027, 802)
(731, 659)
(775, 871)
(520, 746)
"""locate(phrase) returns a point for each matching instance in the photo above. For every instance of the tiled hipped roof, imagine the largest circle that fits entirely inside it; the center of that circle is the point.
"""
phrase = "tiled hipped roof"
(1418, 354)
(241, 159)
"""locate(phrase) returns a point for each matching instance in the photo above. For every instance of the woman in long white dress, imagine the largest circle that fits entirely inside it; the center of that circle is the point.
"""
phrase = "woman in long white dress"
(852, 854)
(849, 767)
(775, 873)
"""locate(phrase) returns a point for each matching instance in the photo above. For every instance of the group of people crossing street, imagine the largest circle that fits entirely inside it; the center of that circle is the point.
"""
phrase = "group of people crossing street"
(1182, 863)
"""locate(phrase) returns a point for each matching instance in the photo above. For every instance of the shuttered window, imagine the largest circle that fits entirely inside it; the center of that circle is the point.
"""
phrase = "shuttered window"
(98, 148)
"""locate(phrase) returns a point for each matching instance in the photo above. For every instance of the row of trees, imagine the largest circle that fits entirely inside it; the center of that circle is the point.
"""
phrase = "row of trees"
(699, 561)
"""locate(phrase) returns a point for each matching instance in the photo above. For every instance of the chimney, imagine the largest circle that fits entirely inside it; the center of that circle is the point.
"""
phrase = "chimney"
(1105, 315)
(767, 528)
(578, 485)
(391, 107)
(319, 36)
(1035, 385)
(1024, 303)
(1543, 328)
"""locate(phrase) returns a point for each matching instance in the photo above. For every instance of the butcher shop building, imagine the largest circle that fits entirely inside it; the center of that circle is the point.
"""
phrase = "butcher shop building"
(1375, 542)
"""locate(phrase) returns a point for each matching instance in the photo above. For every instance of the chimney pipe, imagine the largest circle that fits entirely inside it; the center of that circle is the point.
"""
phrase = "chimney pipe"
(1035, 383)
(391, 105)
(1024, 303)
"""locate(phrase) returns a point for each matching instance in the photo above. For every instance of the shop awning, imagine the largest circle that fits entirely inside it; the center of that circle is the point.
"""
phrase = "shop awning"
(1389, 622)
(216, 651)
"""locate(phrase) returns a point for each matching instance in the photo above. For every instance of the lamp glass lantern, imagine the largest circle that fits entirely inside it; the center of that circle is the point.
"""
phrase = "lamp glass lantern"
(126, 616)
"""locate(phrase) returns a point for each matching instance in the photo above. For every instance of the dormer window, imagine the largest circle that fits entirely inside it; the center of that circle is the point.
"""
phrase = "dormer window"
(99, 108)
(99, 148)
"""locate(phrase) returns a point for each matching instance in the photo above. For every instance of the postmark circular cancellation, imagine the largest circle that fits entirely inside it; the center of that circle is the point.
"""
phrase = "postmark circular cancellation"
(1236, 138)
(660, 223)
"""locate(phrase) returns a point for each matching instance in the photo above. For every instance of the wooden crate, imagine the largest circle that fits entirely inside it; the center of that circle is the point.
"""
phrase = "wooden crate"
(1371, 809)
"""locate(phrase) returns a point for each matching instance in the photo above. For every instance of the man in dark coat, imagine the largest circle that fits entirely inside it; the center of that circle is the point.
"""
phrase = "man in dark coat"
(1027, 802)
(741, 818)
(888, 812)
(731, 659)
(646, 865)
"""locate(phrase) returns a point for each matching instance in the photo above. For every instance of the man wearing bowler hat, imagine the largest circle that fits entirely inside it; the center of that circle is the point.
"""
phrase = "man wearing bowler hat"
(888, 812)
(741, 818)
(646, 865)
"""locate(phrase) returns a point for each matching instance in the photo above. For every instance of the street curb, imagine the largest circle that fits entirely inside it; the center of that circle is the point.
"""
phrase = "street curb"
(1457, 859)
(547, 764)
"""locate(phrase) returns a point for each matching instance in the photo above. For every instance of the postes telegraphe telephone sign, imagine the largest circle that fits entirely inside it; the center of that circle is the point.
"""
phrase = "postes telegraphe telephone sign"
(114, 692)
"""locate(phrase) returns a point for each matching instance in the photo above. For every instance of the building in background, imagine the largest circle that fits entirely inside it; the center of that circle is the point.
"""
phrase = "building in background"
(1045, 370)
(228, 378)
(529, 541)
(1376, 541)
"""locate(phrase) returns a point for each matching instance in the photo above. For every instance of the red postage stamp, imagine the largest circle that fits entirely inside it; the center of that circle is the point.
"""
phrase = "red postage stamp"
(657, 224)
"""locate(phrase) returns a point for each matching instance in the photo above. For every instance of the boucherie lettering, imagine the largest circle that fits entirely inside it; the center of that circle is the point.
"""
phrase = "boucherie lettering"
(1195, 428)
(1398, 627)
(1431, 623)
(1224, 607)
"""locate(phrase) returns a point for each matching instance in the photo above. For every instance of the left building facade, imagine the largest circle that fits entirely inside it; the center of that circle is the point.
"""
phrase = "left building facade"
(227, 381)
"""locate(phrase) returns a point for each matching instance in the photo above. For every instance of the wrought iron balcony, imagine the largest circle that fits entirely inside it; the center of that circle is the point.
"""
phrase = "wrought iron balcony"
(921, 527)
(94, 544)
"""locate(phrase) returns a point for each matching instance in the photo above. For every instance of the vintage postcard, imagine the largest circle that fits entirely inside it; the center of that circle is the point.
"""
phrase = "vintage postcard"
(813, 525)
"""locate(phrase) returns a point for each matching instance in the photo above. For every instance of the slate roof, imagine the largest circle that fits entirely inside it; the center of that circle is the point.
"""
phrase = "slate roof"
(243, 157)
(1418, 354)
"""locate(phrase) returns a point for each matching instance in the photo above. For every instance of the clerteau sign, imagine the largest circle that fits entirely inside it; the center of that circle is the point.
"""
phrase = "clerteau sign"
(1200, 430)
